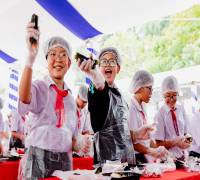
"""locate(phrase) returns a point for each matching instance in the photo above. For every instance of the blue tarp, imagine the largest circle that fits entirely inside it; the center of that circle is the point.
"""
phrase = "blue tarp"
(69, 17)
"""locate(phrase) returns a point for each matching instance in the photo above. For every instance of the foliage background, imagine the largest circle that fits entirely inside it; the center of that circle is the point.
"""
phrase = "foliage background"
(162, 45)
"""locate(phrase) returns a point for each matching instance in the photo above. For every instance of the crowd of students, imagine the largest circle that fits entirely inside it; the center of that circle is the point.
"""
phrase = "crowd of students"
(50, 123)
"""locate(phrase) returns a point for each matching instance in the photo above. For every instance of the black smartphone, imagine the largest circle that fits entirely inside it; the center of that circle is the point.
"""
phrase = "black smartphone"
(34, 19)
(82, 58)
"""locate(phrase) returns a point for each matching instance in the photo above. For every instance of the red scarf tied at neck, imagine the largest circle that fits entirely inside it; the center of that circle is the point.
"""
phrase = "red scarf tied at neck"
(59, 105)
(175, 123)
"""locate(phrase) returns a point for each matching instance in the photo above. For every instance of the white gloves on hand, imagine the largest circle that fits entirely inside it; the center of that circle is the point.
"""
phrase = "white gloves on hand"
(94, 75)
(159, 152)
(182, 143)
(87, 143)
(82, 144)
(32, 48)
(144, 132)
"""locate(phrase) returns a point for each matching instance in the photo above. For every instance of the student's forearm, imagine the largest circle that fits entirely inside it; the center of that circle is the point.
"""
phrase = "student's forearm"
(1, 148)
(25, 85)
(141, 148)
(166, 143)
(133, 135)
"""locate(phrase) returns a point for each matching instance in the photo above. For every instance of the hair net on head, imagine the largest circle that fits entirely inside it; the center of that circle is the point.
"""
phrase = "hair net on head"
(83, 92)
(57, 42)
(1, 103)
(170, 84)
(141, 79)
(111, 50)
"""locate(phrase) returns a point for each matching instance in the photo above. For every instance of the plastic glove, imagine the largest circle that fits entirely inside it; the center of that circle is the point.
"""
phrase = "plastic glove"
(143, 133)
(94, 75)
(188, 138)
(159, 152)
(163, 151)
(81, 144)
(87, 143)
(76, 143)
(85, 66)
(182, 143)
(32, 48)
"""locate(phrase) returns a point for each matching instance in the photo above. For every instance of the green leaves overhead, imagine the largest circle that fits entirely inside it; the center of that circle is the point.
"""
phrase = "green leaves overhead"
(158, 46)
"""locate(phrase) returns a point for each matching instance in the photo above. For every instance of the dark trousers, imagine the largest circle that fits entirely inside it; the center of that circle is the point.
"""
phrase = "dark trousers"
(42, 163)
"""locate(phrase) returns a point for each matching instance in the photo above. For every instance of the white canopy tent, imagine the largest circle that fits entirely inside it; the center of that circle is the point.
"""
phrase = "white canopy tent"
(105, 16)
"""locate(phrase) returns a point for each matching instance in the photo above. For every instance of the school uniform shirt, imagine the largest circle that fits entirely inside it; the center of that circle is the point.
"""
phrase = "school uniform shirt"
(84, 123)
(137, 118)
(165, 129)
(194, 130)
(17, 123)
(43, 131)
(1, 122)
(27, 124)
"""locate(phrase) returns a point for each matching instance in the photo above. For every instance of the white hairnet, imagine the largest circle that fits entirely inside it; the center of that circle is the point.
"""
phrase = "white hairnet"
(111, 50)
(57, 42)
(1, 103)
(141, 79)
(170, 84)
(83, 92)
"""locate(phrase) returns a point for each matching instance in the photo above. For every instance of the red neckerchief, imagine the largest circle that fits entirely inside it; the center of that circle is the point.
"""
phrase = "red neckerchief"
(143, 117)
(174, 121)
(23, 118)
(59, 105)
(79, 118)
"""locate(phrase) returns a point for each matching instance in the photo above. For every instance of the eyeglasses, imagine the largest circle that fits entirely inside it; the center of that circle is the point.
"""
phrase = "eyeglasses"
(61, 56)
(171, 96)
(110, 62)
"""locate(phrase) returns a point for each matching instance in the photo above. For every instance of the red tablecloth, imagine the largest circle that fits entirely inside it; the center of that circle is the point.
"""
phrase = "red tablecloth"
(83, 163)
(176, 175)
(9, 169)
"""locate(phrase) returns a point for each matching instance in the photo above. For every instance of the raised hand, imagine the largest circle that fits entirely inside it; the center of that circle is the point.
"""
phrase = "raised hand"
(32, 48)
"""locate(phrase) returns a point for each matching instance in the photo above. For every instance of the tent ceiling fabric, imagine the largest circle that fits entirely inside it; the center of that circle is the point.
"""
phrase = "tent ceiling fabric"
(6, 57)
(69, 17)
(109, 16)
(14, 18)
(102, 16)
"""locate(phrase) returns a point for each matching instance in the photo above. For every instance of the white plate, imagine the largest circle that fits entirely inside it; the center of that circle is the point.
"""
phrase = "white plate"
(3, 159)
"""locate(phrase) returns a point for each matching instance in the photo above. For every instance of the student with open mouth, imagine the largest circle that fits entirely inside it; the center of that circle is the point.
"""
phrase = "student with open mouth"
(108, 110)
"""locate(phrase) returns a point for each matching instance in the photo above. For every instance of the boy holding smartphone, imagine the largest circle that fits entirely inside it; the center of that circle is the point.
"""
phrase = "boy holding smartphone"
(52, 108)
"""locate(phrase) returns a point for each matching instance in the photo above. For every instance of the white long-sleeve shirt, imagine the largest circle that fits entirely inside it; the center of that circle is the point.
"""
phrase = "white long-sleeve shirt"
(165, 128)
